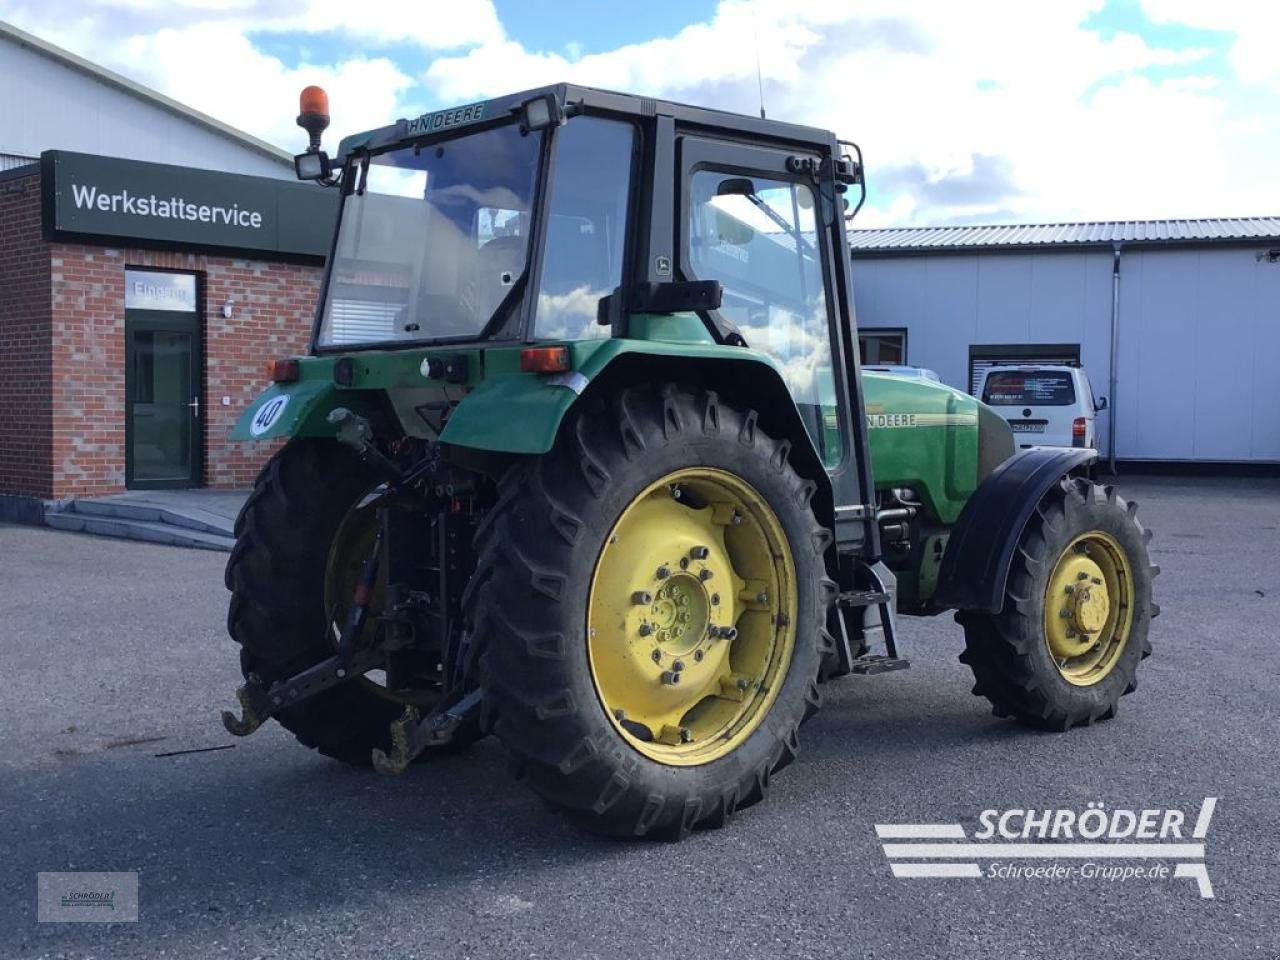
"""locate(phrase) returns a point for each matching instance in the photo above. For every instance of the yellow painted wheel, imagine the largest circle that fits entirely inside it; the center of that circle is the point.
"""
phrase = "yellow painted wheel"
(691, 616)
(1088, 607)
(351, 546)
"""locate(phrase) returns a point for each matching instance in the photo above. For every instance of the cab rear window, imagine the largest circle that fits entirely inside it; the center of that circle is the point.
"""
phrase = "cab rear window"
(1040, 388)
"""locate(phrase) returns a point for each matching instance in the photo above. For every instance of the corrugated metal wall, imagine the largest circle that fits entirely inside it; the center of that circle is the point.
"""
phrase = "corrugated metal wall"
(1199, 355)
(48, 106)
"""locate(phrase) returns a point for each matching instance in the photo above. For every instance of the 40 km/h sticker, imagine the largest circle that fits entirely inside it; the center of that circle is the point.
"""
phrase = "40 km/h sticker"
(267, 415)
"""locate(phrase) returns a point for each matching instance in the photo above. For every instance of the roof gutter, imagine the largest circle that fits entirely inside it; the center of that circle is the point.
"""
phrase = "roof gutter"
(1115, 355)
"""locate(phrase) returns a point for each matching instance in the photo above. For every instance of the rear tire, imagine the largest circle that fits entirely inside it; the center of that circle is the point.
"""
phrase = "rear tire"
(540, 551)
(276, 575)
(1035, 660)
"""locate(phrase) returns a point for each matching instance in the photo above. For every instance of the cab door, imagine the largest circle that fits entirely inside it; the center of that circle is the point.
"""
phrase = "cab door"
(768, 234)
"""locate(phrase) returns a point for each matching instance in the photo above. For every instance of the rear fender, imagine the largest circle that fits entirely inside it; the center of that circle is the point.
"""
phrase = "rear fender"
(975, 567)
(301, 409)
(523, 414)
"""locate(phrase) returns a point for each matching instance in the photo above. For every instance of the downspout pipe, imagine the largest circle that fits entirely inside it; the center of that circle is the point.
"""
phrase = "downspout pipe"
(1115, 356)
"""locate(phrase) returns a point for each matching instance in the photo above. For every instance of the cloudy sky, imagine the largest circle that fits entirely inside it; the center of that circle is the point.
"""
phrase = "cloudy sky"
(979, 112)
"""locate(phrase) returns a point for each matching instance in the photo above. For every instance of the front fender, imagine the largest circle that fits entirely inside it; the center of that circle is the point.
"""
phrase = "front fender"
(298, 409)
(975, 567)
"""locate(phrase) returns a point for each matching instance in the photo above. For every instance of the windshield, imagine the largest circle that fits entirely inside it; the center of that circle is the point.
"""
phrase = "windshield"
(432, 240)
(1040, 388)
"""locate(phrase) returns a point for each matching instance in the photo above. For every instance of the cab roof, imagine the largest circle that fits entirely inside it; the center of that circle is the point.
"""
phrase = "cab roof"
(573, 99)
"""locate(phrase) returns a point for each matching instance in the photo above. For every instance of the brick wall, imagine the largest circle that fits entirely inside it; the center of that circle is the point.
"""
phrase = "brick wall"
(271, 316)
(25, 408)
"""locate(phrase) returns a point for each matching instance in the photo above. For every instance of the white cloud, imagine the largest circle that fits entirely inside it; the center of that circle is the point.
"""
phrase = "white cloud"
(1016, 103)
(200, 52)
(997, 110)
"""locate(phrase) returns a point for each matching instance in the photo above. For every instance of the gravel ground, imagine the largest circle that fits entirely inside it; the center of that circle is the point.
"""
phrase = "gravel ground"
(113, 652)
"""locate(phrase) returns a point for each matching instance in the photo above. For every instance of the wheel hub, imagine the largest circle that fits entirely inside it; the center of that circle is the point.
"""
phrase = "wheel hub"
(1087, 607)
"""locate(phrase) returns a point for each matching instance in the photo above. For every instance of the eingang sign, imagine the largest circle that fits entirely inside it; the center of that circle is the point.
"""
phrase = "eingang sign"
(153, 203)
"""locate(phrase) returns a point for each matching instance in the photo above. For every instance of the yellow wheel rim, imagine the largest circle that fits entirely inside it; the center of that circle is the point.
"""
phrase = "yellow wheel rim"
(1088, 607)
(351, 545)
(691, 616)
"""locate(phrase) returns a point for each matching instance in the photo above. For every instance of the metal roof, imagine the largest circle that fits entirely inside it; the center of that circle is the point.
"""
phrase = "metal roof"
(124, 84)
(1033, 235)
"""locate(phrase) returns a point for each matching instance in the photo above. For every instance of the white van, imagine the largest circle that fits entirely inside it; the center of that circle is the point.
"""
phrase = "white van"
(1047, 405)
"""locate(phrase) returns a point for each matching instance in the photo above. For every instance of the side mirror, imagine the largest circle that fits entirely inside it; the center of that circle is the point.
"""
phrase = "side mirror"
(1100, 404)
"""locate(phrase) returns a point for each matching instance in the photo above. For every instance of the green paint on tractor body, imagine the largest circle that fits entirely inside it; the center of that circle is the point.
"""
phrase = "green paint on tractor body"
(922, 434)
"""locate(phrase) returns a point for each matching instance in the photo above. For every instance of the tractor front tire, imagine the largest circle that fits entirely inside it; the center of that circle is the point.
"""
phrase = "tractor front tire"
(651, 596)
(1077, 611)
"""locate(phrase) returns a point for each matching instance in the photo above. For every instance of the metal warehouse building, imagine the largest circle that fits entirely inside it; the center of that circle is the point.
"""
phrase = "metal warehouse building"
(1176, 322)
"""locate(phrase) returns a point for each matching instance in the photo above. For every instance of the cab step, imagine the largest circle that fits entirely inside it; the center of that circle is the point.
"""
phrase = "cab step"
(872, 663)
(862, 598)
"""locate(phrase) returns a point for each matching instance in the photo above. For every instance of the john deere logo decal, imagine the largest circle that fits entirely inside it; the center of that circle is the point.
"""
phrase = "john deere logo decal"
(891, 421)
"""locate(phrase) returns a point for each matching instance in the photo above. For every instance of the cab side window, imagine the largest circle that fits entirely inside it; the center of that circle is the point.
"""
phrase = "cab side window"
(586, 229)
(759, 238)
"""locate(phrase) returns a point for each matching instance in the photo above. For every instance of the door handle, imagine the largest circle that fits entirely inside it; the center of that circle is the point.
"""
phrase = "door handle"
(195, 407)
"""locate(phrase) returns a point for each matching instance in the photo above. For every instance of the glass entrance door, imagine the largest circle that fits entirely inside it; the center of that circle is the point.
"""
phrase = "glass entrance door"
(162, 413)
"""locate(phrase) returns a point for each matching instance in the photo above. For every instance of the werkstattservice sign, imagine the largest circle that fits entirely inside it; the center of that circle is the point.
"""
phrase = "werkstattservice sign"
(106, 197)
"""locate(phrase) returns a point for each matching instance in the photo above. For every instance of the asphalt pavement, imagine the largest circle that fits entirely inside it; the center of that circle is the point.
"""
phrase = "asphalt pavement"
(114, 652)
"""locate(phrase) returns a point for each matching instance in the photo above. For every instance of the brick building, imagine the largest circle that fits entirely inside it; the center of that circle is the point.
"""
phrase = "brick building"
(139, 300)
(127, 352)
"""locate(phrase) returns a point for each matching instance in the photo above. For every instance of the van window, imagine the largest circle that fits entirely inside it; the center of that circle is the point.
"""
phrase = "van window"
(1037, 388)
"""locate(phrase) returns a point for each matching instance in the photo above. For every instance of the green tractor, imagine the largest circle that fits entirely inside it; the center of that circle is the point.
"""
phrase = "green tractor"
(581, 456)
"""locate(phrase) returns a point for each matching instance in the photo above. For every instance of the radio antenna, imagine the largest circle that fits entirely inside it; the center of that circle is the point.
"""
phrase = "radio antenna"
(755, 29)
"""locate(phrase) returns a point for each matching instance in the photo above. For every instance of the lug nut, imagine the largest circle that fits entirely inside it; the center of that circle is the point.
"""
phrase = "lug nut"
(645, 629)
(684, 563)
(677, 666)
(704, 575)
(715, 599)
(762, 597)
(700, 553)
(1082, 576)
(657, 655)
(743, 683)
(619, 714)
(670, 677)
(663, 572)
(729, 633)
(1097, 581)
(1070, 588)
(1064, 613)
(697, 656)
(642, 598)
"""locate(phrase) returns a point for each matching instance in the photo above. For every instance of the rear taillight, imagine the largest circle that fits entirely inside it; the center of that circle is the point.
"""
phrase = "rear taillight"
(283, 371)
(1079, 427)
(544, 359)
